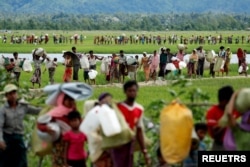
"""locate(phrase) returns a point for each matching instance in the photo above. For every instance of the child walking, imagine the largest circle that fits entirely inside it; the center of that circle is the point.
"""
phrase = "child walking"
(75, 156)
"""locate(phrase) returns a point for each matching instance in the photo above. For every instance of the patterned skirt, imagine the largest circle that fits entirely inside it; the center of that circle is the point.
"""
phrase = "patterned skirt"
(58, 152)
(36, 78)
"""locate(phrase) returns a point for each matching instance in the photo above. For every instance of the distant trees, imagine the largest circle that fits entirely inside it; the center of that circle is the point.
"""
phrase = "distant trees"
(122, 21)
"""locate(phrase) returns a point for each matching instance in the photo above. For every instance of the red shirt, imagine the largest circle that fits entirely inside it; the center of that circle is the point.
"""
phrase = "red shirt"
(213, 116)
(132, 114)
(76, 145)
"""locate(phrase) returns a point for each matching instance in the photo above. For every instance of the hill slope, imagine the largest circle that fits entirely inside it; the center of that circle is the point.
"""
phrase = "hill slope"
(128, 6)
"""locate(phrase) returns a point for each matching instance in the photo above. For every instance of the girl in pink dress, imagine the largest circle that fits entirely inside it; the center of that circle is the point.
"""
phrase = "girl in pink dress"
(75, 155)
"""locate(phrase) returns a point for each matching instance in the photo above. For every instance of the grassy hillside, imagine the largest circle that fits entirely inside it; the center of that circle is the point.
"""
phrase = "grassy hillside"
(129, 6)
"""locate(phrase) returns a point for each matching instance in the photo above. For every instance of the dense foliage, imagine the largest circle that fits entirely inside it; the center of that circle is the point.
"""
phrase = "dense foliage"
(122, 21)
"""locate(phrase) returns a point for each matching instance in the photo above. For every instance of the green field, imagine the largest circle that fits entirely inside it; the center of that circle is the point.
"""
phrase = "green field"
(201, 90)
(88, 43)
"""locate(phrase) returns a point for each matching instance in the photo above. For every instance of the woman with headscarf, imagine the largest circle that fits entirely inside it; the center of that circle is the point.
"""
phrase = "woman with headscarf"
(227, 60)
(114, 68)
(240, 55)
(65, 105)
(192, 64)
(154, 65)
(145, 62)
(68, 69)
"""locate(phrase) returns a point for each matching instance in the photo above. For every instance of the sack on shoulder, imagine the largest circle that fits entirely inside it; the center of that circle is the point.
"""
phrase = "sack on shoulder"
(40, 147)
(122, 138)
(176, 128)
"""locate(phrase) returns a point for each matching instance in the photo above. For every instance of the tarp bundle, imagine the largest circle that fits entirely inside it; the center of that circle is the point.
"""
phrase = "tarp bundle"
(77, 91)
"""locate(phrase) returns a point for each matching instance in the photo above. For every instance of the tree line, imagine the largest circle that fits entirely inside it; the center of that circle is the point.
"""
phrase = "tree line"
(121, 21)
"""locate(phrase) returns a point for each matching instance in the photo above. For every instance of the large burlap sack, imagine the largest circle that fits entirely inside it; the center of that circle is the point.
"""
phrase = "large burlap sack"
(40, 147)
(176, 122)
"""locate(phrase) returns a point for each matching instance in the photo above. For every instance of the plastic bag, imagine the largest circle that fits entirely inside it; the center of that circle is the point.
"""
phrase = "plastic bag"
(109, 121)
(122, 138)
(229, 141)
(92, 74)
(176, 122)
(103, 67)
(27, 67)
(84, 62)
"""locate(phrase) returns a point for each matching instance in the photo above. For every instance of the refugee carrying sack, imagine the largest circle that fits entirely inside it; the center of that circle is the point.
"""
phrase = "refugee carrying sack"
(238, 137)
(122, 138)
(40, 147)
(109, 121)
(176, 122)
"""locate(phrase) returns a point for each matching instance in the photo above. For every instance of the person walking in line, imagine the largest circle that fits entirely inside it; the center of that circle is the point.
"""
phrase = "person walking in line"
(123, 156)
(227, 61)
(154, 66)
(76, 64)
(163, 63)
(18, 67)
(145, 63)
(51, 67)
(201, 61)
(192, 64)
(36, 78)
(68, 69)
(92, 60)
(122, 66)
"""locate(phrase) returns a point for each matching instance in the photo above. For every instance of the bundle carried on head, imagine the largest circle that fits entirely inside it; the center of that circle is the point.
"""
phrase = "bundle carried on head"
(181, 46)
(39, 52)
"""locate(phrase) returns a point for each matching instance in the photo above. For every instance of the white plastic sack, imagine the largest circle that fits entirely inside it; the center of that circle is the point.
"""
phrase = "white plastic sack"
(47, 137)
(186, 58)
(241, 69)
(131, 61)
(92, 74)
(84, 62)
(222, 65)
(103, 67)
(27, 67)
(39, 52)
(206, 65)
(170, 66)
(109, 121)
(182, 65)
(181, 46)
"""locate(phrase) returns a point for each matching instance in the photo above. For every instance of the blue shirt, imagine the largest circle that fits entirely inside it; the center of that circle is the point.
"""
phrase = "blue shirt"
(192, 161)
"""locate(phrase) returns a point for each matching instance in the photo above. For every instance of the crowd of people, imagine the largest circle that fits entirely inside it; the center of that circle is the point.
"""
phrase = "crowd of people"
(105, 146)
(171, 39)
(117, 67)
(130, 39)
